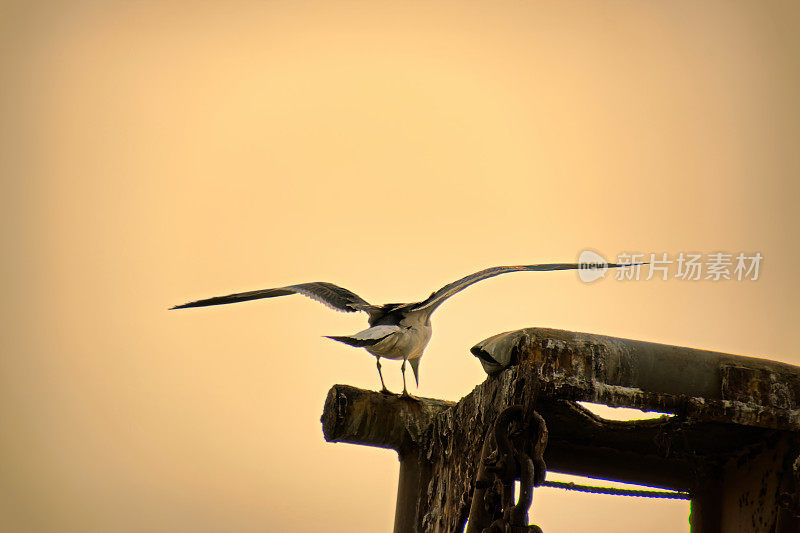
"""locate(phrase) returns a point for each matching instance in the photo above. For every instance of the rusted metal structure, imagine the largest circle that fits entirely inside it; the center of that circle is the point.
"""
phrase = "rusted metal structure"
(732, 443)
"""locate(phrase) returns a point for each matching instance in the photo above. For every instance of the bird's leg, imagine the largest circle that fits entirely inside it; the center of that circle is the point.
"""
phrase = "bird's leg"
(383, 385)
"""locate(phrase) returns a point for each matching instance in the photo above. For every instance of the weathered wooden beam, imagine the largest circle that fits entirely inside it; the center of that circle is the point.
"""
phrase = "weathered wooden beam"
(654, 377)
(440, 441)
(370, 418)
(731, 413)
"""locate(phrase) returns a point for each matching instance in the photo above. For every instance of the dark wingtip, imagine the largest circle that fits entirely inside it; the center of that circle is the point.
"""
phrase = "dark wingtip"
(618, 265)
(199, 303)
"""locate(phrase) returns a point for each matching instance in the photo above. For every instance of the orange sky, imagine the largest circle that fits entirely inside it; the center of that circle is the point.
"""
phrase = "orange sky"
(155, 153)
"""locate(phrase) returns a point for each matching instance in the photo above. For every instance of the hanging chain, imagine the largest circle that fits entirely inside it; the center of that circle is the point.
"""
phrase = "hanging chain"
(512, 451)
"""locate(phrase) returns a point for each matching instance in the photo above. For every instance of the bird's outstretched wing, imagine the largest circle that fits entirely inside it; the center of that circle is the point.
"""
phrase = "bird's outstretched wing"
(433, 301)
(333, 296)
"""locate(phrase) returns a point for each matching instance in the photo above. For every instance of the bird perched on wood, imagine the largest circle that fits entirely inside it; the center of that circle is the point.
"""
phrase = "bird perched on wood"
(397, 331)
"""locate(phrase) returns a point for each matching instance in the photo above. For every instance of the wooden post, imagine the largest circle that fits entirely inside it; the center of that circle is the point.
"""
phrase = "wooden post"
(414, 476)
(386, 421)
(743, 493)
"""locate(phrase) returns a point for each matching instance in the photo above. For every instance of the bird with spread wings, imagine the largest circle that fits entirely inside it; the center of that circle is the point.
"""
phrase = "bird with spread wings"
(397, 331)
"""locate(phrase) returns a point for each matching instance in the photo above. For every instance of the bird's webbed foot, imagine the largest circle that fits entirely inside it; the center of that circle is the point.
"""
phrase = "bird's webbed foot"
(386, 391)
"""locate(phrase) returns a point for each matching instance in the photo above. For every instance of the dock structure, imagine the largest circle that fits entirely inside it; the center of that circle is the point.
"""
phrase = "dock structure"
(729, 440)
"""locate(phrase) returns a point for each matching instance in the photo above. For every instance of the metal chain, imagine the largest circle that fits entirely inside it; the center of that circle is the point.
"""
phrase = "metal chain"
(511, 451)
(667, 494)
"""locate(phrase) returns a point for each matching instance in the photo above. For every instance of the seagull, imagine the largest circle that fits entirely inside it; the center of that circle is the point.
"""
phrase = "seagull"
(397, 331)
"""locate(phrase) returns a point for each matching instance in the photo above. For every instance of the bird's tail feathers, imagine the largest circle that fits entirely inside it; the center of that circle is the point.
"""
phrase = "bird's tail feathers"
(352, 341)
(368, 337)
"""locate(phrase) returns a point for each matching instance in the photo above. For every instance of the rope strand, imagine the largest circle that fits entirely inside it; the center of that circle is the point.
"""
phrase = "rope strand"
(667, 494)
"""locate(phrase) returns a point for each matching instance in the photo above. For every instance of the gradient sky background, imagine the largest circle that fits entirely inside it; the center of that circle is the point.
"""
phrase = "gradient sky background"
(160, 152)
